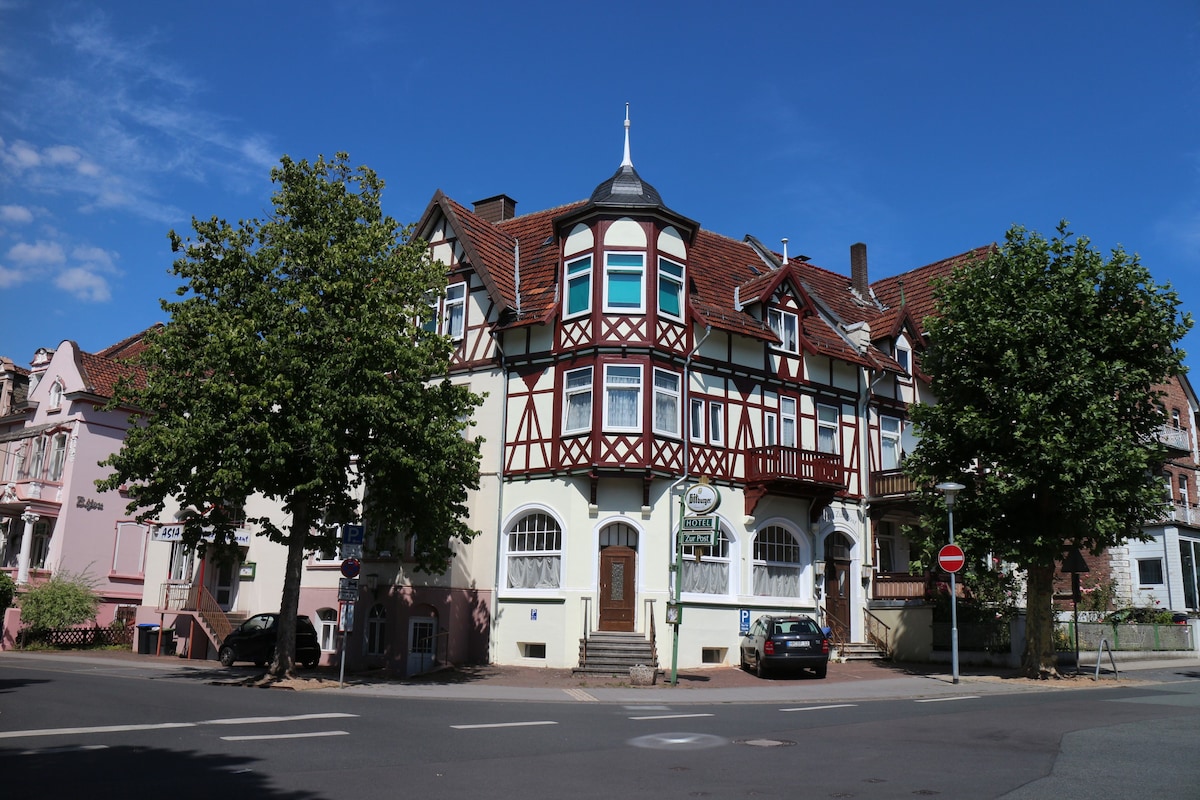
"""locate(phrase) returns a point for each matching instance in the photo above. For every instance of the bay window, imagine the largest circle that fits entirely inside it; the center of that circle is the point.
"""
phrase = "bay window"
(577, 401)
(624, 279)
(622, 398)
(670, 288)
(666, 402)
(579, 286)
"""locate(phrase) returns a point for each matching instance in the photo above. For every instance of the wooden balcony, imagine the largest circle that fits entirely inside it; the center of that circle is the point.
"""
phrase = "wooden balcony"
(891, 484)
(793, 472)
(899, 586)
(778, 463)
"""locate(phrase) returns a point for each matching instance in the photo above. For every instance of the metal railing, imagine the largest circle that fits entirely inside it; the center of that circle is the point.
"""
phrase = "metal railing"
(838, 633)
(188, 596)
(1176, 438)
(879, 633)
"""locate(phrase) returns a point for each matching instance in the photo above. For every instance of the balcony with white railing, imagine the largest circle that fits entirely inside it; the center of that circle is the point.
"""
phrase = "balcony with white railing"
(1174, 511)
(1174, 438)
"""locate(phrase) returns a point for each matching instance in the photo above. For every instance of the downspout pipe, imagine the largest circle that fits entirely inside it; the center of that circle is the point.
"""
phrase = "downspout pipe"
(499, 482)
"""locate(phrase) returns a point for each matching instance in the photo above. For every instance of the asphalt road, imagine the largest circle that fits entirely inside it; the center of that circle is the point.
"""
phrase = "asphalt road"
(95, 730)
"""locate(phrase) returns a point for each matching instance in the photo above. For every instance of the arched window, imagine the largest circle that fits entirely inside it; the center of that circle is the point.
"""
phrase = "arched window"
(710, 573)
(376, 630)
(534, 553)
(56, 394)
(776, 563)
(327, 628)
(619, 533)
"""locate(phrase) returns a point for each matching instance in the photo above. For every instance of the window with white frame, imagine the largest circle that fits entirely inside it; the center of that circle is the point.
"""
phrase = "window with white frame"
(827, 429)
(709, 574)
(327, 619)
(696, 419)
(577, 400)
(889, 442)
(716, 423)
(624, 283)
(534, 553)
(1183, 490)
(56, 395)
(622, 398)
(787, 421)
(376, 640)
(904, 358)
(180, 568)
(784, 325)
(37, 457)
(670, 288)
(579, 287)
(770, 429)
(776, 563)
(58, 456)
(454, 310)
(666, 402)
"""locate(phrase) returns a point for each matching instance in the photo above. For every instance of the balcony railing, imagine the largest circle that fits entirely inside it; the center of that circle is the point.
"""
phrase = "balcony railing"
(891, 483)
(899, 586)
(1176, 438)
(1180, 512)
(791, 463)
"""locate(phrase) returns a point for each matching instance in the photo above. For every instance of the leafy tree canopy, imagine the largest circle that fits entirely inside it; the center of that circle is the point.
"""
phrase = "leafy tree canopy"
(1046, 360)
(297, 365)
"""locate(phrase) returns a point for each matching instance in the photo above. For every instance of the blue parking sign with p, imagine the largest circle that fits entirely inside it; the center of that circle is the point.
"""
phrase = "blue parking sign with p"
(744, 621)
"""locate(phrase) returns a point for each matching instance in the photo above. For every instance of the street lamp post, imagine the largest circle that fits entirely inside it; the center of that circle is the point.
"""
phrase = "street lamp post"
(950, 489)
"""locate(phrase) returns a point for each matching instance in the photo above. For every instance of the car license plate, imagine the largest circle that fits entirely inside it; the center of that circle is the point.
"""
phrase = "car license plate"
(799, 644)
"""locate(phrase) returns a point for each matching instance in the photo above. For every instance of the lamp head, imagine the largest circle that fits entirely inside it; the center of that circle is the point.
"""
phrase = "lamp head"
(950, 489)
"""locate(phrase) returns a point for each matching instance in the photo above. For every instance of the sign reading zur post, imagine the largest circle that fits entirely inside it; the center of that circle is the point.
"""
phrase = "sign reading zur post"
(698, 531)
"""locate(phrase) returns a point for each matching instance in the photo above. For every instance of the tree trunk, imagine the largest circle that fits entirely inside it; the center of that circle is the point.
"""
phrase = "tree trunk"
(1040, 659)
(284, 665)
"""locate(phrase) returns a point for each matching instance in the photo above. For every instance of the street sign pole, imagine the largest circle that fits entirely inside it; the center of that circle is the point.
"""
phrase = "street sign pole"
(678, 582)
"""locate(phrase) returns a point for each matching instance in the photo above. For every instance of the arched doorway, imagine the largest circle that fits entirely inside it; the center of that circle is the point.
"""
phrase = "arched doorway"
(838, 579)
(618, 569)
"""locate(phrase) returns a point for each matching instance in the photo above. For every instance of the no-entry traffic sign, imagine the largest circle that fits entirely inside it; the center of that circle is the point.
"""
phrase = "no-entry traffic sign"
(951, 558)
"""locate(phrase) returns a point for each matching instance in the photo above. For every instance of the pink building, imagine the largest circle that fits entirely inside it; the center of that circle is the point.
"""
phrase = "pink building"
(54, 431)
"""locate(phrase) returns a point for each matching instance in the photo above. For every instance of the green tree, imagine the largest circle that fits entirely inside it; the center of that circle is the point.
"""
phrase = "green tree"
(61, 602)
(8, 590)
(1046, 360)
(298, 366)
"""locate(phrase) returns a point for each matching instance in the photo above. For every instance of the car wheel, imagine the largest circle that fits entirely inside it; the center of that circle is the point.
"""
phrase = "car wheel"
(760, 669)
(822, 670)
(742, 662)
(226, 656)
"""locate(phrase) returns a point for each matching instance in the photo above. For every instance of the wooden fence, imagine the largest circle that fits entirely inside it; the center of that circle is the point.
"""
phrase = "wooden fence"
(77, 638)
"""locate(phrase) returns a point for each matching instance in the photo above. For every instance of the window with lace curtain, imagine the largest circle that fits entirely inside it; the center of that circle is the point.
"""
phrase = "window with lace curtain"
(534, 553)
(622, 398)
(776, 563)
(710, 573)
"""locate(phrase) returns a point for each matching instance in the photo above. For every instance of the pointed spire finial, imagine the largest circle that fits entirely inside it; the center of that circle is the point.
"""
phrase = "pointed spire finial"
(627, 161)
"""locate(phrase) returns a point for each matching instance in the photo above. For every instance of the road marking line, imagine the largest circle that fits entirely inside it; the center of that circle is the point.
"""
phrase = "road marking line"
(310, 735)
(73, 749)
(821, 708)
(256, 720)
(164, 725)
(673, 716)
(99, 729)
(945, 699)
(502, 725)
(580, 694)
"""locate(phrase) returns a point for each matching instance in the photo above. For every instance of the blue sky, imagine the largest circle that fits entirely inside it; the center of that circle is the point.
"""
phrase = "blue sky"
(921, 128)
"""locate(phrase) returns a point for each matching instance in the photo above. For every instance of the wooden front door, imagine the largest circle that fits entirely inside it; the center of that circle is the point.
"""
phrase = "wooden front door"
(837, 592)
(618, 564)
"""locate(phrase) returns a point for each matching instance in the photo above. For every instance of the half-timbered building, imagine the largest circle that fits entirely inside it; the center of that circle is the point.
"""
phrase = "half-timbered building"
(635, 353)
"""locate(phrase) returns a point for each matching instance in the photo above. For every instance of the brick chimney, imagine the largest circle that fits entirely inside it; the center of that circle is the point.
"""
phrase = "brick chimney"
(496, 209)
(858, 269)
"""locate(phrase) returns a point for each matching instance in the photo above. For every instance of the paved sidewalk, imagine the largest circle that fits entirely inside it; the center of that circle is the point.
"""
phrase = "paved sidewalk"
(847, 682)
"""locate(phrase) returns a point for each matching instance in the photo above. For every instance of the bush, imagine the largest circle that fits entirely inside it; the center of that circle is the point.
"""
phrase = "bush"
(8, 590)
(61, 602)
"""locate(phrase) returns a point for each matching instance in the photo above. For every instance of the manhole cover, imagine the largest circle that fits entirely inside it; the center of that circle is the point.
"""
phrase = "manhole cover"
(765, 742)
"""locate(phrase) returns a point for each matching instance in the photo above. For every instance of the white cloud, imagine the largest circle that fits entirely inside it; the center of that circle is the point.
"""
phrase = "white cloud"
(37, 254)
(84, 284)
(12, 277)
(96, 257)
(16, 214)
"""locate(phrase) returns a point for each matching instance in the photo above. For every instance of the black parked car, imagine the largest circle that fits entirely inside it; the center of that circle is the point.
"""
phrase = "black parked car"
(254, 640)
(791, 642)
